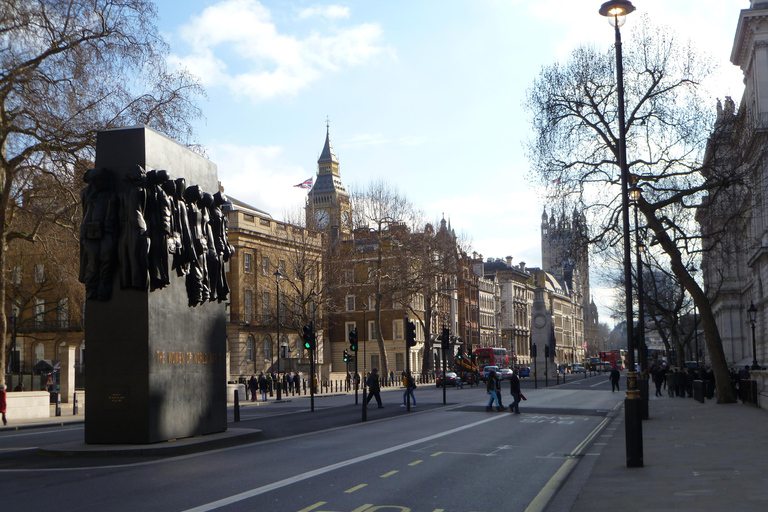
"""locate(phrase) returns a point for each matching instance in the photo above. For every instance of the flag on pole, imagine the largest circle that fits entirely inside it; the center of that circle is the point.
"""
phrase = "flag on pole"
(305, 184)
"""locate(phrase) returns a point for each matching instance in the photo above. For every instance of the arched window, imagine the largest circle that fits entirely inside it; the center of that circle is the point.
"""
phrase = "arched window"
(267, 348)
(249, 349)
(60, 348)
(39, 352)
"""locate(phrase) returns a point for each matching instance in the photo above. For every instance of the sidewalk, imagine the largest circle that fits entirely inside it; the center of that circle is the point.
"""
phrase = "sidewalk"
(697, 457)
(67, 417)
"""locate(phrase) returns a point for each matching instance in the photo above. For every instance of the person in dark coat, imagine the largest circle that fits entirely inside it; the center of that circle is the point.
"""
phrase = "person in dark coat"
(514, 389)
(374, 387)
(253, 386)
(263, 387)
(3, 404)
(615, 377)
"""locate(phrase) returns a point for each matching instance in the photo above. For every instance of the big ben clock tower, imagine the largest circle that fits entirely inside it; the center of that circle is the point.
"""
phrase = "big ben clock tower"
(328, 202)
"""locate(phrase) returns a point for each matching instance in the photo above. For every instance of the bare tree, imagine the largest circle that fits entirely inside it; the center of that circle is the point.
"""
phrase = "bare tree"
(575, 114)
(68, 69)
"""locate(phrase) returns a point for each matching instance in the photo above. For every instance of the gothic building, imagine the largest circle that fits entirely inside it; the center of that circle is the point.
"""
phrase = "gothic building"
(328, 208)
(565, 255)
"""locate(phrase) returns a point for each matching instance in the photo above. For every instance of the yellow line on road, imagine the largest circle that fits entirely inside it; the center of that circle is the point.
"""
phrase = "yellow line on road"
(415, 462)
(385, 475)
(313, 507)
(355, 488)
(436, 454)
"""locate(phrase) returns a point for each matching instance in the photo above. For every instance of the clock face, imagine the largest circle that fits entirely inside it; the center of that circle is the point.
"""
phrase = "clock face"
(322, 219)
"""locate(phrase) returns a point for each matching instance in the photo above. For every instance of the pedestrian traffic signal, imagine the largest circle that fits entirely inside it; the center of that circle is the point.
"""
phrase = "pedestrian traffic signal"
(458, 356)
(309, 337)
(346, 356)
(410, 334)
(353, 340)
(445, 339)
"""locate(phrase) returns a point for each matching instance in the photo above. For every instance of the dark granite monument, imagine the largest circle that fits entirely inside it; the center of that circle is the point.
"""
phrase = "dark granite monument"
(156, 339)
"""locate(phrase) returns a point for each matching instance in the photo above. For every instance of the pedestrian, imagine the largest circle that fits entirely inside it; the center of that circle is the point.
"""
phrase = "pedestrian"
(410, 385)
(615, 377)
(374, 387)
(19, 386)
(391, 377)
(490, 388)
(253, 386)
(658, 379)
(671, 382)
(263, 387)
(347, 381)
(514, 389)
(3, 403)
(498, 390)
(297, 383)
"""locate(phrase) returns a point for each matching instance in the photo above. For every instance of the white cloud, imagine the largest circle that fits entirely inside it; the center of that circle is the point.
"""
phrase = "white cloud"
(365, 139)
(260, 176)
(235, 44)
(325, 11)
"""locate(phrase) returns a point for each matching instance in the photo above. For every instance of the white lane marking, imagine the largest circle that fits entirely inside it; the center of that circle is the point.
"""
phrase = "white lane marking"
(311, 474)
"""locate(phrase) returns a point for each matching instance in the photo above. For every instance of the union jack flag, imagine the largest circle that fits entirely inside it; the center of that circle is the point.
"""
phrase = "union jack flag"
(305, 184)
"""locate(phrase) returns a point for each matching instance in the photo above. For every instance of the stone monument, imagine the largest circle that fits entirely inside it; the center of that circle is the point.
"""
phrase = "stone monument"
(155, 315)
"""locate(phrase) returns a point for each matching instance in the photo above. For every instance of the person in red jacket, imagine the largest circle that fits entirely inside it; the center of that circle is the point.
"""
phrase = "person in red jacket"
(3, 403)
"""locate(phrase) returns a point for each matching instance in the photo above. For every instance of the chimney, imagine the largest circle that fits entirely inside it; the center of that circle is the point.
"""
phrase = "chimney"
(509, 261)
(522, 266)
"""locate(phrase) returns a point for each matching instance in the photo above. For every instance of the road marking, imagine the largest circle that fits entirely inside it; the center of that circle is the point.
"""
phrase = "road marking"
(549, 490)
(320, 471)
(436, 454)
(415, 462)
(363, 508)
(313, 507)
(355, 488)
(385, 475)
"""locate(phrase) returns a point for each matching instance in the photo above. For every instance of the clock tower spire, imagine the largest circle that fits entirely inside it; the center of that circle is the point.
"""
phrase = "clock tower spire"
(328, 201)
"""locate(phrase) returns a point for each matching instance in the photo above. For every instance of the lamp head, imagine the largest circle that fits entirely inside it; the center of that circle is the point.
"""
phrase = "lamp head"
(634, 193)
(616, 11)
(752, 312)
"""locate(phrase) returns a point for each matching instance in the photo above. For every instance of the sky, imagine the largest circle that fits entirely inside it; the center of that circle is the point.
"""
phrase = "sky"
(427, 95)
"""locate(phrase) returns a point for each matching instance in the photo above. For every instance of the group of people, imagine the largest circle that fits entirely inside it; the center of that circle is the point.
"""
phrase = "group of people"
(374, 388)
(263, 384)
(679, 381)
(493, 387)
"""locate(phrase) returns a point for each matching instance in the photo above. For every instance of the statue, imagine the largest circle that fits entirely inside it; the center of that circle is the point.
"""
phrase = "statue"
(98, 232)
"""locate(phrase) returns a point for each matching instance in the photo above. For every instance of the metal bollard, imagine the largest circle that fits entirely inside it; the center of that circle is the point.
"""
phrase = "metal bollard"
(237, 405)
(58, 404)
(74, 405)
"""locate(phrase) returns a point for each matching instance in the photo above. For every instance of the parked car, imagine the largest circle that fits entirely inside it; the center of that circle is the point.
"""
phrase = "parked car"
(451, 379)
(505, 373)
(578, 368)
(489, 369)
(604, 367)
(524, 371)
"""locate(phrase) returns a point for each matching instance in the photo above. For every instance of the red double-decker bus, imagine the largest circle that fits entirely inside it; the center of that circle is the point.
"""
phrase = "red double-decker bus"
(617, 358)
(491, 357)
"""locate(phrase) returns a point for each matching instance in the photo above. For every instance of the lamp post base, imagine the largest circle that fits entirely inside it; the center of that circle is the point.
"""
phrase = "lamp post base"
(633, 426)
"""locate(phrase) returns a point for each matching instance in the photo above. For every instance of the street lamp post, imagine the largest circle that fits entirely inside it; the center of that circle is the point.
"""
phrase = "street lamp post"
(365, 391)
(616, 11)
(312, 359)
(752, 312)
(693, 270)
(635, 194)
(279, 383)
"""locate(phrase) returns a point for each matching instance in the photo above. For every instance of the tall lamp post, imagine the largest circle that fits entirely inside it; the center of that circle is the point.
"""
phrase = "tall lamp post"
(279, 383)
(693, 270)
(365, 391)
(312, 359)
(635, 193)
(752, 312)
(616, 11)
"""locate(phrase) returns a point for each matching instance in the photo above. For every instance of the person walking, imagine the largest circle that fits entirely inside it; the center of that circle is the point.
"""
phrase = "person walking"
(374, 388)
(3, 404)
(658, 379)
(514, 389)
(615, 377)
(498, 390)
(253, 386)
(263, 387)
(491, 387)
(410, 385)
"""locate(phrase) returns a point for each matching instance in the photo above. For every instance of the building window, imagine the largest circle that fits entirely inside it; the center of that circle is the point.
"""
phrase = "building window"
(374, 361)
(16, 275)
(267, 348)
(249, 349)
(39, 313)
(397, 329)
(39, 352)
(39, 273)
(248, 306)
(371, 330)
(265, 307)
(349, 276)
(249, 218)
(281, 267)
(350, 302)
(63, 313)
(348, 328)
(371, 304)
(247, 263)
(265, 266)
(399, 362)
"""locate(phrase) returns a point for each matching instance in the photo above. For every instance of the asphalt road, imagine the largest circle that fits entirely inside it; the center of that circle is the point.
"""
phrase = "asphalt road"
(452, 457)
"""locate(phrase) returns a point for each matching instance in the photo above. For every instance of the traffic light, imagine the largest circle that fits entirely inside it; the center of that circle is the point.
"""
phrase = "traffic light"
(410, 334)
(353, 340)
(346, 356)
(533, 350)
(459, 356)
(546, 351)
(309, 337)
(445, 339)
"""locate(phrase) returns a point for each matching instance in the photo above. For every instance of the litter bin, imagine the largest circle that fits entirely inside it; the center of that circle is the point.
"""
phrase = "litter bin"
(748, 391)
(698, 390)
